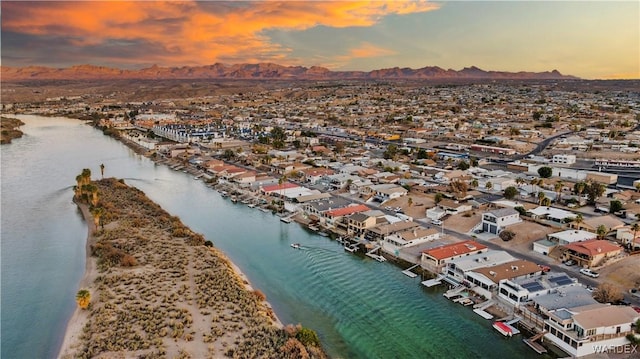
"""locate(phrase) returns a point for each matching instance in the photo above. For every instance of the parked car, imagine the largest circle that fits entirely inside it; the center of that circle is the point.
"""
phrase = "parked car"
(570, 262)
(436, 222)
(589, 272)
(544, 268)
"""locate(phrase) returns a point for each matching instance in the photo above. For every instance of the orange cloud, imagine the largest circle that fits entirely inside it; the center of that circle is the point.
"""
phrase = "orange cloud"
(198, 33)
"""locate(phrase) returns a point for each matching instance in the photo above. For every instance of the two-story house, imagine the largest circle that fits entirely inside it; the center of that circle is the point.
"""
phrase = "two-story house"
(496, 220)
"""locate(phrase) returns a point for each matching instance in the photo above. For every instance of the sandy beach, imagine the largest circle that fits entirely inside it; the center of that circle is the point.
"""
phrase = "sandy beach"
(158, 291)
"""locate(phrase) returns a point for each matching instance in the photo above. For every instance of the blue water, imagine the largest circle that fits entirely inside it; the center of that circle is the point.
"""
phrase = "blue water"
(359, 307)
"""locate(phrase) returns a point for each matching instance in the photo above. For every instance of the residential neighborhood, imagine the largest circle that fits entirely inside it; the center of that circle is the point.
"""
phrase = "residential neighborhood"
(522, 202)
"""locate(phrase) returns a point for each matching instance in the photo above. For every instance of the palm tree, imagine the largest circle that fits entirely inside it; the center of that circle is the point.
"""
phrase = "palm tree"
(558, 188)
(638, 186)
(410, 201)
(474, 183)
(97, 213)
(601, 231)
(520, 181)
(578, 220)
(488, 185)
(102, 170)
(541, 198)
(281, 181)
(533, 182)
(579, 188)
(83, 298)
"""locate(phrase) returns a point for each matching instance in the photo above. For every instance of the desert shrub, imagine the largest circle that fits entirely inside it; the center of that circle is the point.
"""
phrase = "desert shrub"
(308, 336)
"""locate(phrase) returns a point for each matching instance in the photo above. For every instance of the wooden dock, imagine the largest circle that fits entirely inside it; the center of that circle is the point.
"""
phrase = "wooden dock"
(409, 273)
(537, 347)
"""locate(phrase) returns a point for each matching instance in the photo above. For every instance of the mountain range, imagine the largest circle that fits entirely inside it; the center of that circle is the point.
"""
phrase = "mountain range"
(263, 71)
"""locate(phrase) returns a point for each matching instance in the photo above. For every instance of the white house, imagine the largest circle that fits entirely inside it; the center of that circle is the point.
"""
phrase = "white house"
(564, 159)
(570, 236)
(580, 331)
(496, 220)
(520, 291)
(394, 242)
(456, 270)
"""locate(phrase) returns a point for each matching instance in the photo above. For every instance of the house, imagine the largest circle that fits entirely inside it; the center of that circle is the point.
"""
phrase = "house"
(383, 230)
(610, 223)
(358, 223)
(454, 207)
(581, 330)
(387, 191)
(496, 220)
(335, 217)
(313, 175)
(521, 291)
(570, 236)
(456, 270)
(434, 259)
(592, 252)
(551, 214)
(627, 236)
(485, 280)
(393, 243)
(572, 320)
(563, 159)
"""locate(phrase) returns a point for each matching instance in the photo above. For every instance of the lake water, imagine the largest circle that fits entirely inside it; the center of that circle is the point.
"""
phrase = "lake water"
(360, 308)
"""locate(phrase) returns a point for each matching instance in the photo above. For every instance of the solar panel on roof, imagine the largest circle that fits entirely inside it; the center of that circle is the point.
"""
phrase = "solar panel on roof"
(533, 286)
(563, 281)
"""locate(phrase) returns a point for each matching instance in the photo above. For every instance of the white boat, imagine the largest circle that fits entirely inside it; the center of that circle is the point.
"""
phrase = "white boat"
(295, 245)
(285, 219)
(351, 248)
(251, 205)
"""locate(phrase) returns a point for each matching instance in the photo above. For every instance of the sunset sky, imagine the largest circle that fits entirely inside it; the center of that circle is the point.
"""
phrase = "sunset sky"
(589, 39)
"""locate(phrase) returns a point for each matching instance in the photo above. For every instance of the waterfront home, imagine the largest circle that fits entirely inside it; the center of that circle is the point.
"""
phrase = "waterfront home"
(498, 219)
(393, 243)
(377, 233)
(336, 218)
(591, 253)
(582, 330)
(358, 223)
(456, 269)
(434, 259)
(520, 291)
(485, 280)
(316, 209)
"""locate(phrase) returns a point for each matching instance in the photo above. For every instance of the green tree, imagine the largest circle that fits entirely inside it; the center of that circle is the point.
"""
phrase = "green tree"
(594, 191)
(541, 198)
(579, 188)
(422, 154)
(545, 171)
(438, 198)
(578, 220)
(278, 136)
(558, 188)
(488, 185)
(635, 228)
(510, 192)
(307, 336)
(463, 165)
(615, 206)
(601, 231)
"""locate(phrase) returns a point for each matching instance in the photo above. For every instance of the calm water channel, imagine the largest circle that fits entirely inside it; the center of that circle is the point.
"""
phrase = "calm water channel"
(359, 307)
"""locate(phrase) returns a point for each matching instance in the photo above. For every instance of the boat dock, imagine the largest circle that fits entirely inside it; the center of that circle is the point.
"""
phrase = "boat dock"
(377, 257)
(480, 309)
(409, 273)
(432, 282)
(454, 292)
(537, 347)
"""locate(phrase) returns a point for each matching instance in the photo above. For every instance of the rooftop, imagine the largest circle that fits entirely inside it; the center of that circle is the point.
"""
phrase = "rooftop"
(593, 247)
(606, 316)
(455, 249)
(514, 269)
(569, 297)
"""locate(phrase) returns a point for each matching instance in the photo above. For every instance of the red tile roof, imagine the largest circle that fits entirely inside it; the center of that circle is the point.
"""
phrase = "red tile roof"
(278, 187)
(339, 212)
(593, 247)
(456, 249)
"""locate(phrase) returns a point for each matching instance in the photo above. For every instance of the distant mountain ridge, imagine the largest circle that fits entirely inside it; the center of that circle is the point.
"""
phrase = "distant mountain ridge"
(263, 71)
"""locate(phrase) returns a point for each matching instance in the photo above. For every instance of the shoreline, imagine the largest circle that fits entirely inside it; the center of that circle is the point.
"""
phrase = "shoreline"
(84, 328)
(79, 317)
